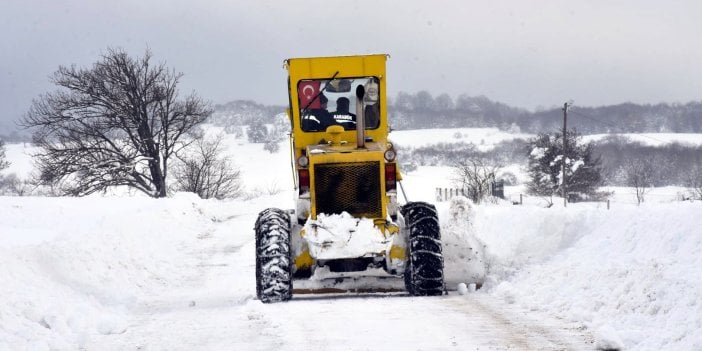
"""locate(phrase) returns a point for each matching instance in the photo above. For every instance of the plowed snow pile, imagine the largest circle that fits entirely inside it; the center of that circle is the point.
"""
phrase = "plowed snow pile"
(632, 275)
(72, 267)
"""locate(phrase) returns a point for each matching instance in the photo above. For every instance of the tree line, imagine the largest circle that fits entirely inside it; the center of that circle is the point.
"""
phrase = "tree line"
(422, 110)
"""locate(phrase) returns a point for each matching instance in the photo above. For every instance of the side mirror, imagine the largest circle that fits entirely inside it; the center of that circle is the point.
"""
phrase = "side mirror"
(360, 92)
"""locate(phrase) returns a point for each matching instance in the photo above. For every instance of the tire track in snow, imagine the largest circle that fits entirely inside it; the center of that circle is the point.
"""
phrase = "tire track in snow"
(526, 332)
(369, 322)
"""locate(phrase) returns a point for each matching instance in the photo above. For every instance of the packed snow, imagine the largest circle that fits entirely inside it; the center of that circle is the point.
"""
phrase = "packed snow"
(343, 236)
(117, 272)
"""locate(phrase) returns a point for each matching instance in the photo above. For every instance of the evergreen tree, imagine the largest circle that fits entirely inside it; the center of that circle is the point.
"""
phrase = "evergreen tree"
(583, 170)
(3, 162)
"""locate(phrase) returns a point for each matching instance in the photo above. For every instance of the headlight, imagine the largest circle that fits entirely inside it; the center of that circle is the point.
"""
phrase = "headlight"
(303, 161)
(390, 155)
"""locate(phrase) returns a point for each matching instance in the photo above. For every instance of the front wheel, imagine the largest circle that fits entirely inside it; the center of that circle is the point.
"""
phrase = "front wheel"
(273, 256)
(424, 275)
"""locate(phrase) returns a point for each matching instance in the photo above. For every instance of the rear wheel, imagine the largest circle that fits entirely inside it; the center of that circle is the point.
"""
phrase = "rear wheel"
(424, 274)
(273, 256)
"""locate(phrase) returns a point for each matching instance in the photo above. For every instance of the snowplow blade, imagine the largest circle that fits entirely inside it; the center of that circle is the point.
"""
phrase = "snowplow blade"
(349, 285)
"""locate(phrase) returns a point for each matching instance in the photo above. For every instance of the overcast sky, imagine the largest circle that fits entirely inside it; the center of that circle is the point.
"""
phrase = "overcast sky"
(528, 54)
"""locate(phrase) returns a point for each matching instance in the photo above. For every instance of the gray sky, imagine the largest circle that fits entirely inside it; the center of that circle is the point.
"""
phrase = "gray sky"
(529, 54)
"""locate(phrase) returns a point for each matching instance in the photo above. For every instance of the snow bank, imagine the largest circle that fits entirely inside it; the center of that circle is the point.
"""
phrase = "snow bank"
(71, 267)
(464, 254)
(633, 275)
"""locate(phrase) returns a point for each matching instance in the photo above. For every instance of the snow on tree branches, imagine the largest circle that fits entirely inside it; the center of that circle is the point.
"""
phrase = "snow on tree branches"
(583, 171)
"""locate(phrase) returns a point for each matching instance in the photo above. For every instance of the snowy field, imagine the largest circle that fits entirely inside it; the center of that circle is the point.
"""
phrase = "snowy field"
(128, 273)
(653, 139)
(484, 138)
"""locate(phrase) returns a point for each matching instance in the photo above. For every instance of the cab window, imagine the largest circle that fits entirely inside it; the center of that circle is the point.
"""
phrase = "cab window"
(325, 102)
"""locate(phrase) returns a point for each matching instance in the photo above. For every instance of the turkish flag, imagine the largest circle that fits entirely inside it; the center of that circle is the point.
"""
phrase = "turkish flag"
(307, 91)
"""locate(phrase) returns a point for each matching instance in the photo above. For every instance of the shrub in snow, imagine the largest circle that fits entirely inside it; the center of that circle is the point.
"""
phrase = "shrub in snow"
(257, 133)
(207, 172)
(474, 177)
(11, 184)
(272, 146)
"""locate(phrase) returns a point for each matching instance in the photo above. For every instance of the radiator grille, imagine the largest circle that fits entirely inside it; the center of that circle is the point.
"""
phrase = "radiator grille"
(350, 187)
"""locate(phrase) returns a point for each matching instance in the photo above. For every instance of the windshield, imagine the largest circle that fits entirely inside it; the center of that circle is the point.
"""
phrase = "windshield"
(325, 102)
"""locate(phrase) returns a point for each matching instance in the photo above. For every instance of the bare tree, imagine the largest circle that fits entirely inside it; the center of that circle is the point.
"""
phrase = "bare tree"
(207, 172)
(117, 123)
(12, 185)
(639, 173)
(474, 177)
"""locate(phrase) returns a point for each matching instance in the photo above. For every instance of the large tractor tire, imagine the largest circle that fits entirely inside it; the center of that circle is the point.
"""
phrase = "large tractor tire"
(273, 256)
(424, 274)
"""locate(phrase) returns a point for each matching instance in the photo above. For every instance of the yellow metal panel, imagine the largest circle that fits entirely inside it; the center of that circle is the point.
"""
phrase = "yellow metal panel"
(304, 260)
(398, 253)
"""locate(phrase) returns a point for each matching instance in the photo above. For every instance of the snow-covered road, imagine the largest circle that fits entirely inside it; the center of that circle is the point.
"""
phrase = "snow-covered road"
(213, 308)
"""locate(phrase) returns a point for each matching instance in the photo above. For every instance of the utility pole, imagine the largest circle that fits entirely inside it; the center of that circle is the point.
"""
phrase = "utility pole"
(565, 145)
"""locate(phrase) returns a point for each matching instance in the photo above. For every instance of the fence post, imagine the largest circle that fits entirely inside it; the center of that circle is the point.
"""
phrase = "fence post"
(608, 204)
(520, 199)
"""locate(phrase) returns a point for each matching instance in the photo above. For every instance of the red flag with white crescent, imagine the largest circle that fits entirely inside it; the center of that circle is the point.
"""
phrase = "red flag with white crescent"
(307, 91)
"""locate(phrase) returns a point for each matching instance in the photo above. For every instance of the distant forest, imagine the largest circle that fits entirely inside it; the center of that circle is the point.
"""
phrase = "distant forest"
(422, 110)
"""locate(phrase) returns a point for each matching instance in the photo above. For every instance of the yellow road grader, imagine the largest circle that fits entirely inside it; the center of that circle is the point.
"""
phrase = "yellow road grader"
(347, 231)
